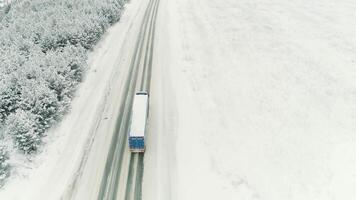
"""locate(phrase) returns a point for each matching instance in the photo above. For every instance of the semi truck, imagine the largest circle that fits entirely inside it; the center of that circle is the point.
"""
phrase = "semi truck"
(138, 124)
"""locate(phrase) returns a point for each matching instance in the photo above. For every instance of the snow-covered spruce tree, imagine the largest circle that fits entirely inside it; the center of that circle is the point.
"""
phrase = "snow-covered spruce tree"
(41, 101)
(9, 96)
(22, 126)
(4, 165)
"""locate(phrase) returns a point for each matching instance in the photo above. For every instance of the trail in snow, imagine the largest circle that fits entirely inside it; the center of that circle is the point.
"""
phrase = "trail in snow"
(253, 99)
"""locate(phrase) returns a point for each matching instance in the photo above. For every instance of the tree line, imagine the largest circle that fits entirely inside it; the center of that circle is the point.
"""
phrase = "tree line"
(43, 54)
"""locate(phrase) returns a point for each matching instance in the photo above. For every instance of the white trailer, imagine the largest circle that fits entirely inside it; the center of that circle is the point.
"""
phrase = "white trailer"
(138, 122)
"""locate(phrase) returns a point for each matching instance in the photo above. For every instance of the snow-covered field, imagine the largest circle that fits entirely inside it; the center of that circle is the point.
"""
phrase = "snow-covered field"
(253, 99)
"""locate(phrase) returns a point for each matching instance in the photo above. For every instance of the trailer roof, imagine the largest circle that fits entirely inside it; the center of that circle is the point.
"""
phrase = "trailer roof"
(139, 115)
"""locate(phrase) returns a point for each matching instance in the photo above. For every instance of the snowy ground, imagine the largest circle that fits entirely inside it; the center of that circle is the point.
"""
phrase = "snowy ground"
(253, 99)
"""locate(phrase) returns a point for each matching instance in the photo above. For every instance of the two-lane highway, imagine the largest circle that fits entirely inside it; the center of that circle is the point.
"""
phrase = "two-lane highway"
(122, 171)
(119, 180)
(113, 184)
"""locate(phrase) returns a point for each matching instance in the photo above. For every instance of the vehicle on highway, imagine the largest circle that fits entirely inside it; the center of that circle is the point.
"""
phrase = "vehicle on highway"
(138, 124)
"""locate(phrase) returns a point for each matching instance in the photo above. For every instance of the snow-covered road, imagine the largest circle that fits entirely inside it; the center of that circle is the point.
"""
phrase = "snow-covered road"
(253, 99)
